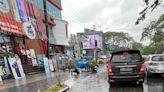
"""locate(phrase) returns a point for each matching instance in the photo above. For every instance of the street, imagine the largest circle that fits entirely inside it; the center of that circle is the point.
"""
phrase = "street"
(98, 83)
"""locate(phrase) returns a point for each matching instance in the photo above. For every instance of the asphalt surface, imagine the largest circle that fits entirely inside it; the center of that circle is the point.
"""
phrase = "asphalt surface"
(98, 83)
(87, 82)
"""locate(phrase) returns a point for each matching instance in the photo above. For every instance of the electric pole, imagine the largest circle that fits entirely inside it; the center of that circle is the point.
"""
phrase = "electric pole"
(46, 25)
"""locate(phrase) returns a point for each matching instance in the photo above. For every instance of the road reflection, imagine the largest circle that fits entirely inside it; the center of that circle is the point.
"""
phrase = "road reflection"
(126, 87)
(155, 84)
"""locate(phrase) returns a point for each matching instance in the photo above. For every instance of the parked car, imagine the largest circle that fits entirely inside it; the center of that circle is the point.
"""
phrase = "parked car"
(154, 64)
(126, 65)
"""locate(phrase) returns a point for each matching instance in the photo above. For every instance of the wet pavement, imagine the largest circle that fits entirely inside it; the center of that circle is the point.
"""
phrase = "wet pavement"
(33, 83)
(85, 82)
(98, 83)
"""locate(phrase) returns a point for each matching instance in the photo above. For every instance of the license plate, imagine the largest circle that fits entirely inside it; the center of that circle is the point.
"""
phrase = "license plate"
(125, 69)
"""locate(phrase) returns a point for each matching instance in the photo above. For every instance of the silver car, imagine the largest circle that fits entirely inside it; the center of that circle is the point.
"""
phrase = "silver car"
(154, 64)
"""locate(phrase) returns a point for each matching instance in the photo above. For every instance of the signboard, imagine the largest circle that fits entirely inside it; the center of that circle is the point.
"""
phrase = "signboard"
(16, 67)
(22, 11)
(4, 6)
(46, 65)
(15, 10)
(10, 26)
(89, 42)
(51, 65)
(7, 66)
(33, 57)
(29, 30)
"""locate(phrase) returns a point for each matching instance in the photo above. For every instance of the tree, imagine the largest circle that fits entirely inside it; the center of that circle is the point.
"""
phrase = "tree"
(137, 45)
(119, 39)
(151, 5)
(150, 49)
(154, 30)
(73, 39)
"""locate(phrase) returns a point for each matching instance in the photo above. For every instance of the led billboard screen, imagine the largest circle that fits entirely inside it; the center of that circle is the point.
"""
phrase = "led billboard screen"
(90, 42)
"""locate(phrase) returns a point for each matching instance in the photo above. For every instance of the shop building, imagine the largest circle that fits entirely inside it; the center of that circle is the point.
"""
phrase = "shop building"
(91, 43)
(22, 26)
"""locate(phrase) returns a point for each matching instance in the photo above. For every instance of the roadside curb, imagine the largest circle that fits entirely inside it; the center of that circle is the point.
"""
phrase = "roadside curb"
(64, 89)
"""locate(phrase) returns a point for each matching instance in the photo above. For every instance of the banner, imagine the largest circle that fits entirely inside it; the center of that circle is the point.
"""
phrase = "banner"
(46, 65)
(51, 65)
(7, 66)
(22, 11)
(33, 58)
(16, 67)
(15, 9)
(10, 26)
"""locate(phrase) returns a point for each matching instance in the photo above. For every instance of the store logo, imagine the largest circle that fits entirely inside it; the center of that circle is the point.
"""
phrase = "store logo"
(4, 6)
(29, 30)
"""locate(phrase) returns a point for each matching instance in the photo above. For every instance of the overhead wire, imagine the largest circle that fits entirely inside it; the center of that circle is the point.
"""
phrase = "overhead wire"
(71, 9)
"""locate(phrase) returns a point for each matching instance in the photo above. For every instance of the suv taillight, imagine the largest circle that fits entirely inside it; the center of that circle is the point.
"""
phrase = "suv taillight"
(110, 71)
(142, 69)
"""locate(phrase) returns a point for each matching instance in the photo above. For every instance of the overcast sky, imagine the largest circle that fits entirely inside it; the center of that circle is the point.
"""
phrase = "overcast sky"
(112, 15)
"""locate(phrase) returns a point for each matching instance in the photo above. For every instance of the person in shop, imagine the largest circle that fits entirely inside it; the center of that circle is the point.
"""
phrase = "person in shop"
(23, 55)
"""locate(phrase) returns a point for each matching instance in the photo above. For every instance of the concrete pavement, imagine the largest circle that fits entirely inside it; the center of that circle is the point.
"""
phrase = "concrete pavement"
(33, 82)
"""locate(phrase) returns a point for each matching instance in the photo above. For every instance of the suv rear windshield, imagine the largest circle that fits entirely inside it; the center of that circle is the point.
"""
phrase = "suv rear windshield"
(158, 58)
(126, 58)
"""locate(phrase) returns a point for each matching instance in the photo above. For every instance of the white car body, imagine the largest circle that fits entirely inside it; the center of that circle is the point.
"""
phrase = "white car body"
(154, 64)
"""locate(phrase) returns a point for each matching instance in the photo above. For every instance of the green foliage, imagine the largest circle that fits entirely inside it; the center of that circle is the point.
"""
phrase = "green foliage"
(154, 32)
(53, 88)
(137, 45)
(150, 49)
(120, 39)
(92, 64)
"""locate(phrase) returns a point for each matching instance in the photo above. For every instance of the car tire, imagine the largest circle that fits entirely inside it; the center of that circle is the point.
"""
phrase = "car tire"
(147, 74)
(140, 83)
(111, 84)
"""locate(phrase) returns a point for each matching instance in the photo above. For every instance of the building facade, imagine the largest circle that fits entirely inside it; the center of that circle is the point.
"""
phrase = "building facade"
(91, 43)
(22, 28)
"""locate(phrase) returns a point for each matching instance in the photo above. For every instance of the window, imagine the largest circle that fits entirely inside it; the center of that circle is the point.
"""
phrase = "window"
(126, 58)
(158, 58)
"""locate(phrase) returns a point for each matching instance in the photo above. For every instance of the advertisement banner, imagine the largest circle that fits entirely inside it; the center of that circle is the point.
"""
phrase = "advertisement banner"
(16, 67)
(1, 71)
(46, 65)
(33, 58)
(90, 40)
(22, 11)
(10, 26)
(51, 65)
(15, 10)
(7, 66)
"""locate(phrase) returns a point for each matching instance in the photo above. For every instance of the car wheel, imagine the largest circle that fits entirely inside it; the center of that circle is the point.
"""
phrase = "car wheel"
(162, 75)
(140, 83)
(147, 73)
(111, 84)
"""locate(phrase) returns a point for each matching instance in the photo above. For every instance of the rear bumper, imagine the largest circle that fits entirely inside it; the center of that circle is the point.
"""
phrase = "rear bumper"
(156, 70)
(117, 78)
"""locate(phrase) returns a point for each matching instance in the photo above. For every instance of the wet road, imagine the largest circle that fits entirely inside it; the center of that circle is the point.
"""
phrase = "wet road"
(98, 83)
(34, 86)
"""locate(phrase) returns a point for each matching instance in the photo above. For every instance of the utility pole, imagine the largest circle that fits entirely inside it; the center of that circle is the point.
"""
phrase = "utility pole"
(95, 49)
(46, 25)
